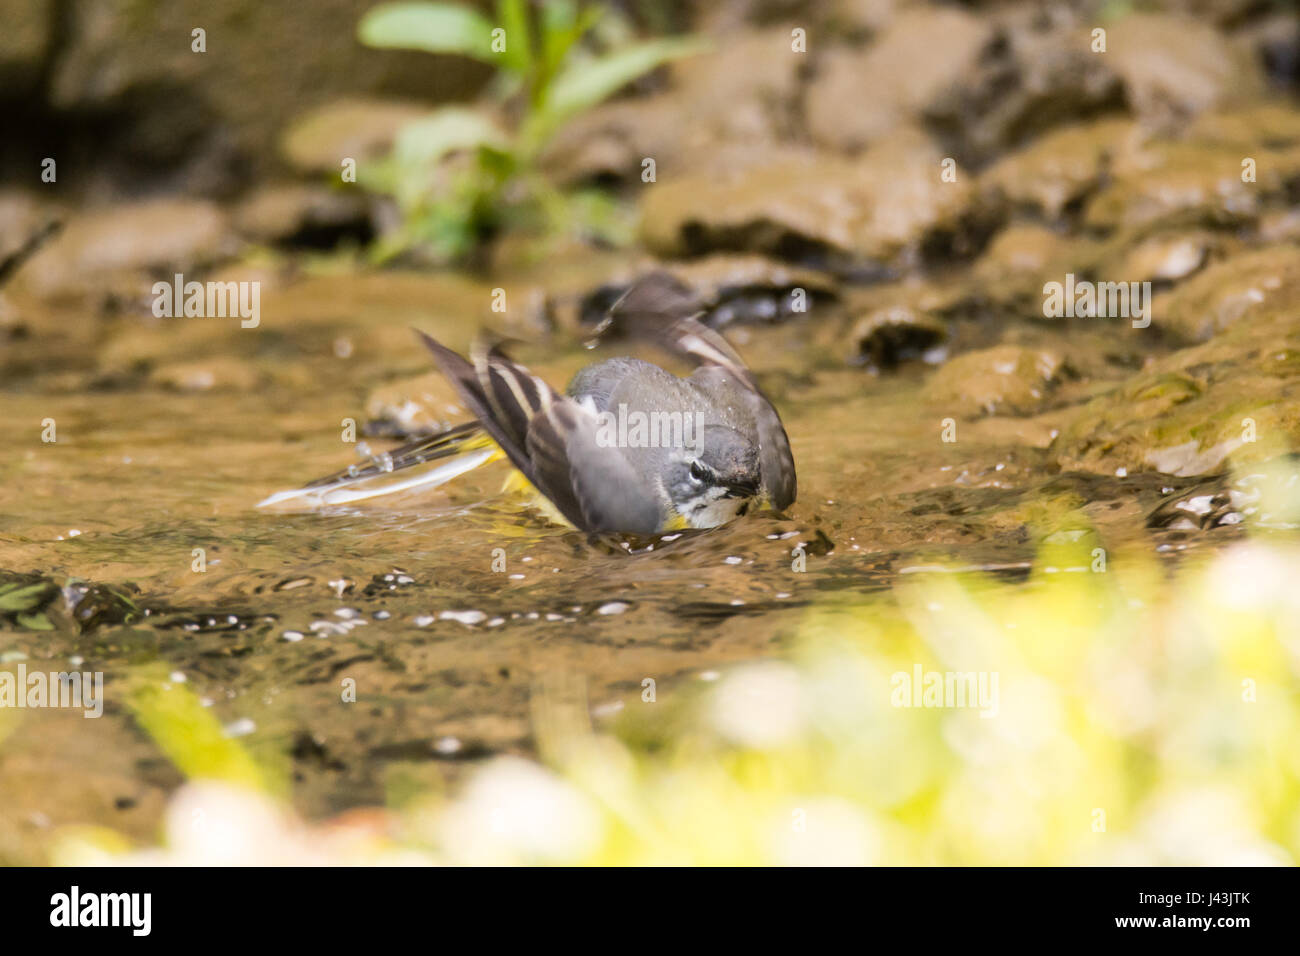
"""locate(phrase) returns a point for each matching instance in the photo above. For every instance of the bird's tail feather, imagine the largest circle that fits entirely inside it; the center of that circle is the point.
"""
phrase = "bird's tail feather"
(465, 447)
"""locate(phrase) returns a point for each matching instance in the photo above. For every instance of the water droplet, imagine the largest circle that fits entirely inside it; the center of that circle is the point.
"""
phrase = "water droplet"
(240, 728)
(468, 618)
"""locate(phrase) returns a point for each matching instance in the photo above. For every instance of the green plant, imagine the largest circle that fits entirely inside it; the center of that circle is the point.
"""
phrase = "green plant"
(462, 173)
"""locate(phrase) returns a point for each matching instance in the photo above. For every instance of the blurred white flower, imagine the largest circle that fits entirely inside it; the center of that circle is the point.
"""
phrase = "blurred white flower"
(515, 811)
(1202, 826)
(759, 705)
(1253, 577)
(825, 831)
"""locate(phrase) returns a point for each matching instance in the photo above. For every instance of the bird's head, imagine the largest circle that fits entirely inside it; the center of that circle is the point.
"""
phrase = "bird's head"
(714, 479)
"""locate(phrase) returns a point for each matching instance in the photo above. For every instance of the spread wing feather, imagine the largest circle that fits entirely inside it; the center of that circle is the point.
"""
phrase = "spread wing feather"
(453, 441)
(552, 440)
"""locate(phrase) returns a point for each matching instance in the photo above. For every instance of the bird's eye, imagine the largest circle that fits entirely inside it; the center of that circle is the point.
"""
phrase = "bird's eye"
(699, 472)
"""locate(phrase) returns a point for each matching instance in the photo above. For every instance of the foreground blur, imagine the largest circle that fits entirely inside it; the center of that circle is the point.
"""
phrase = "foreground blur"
(1132, 720)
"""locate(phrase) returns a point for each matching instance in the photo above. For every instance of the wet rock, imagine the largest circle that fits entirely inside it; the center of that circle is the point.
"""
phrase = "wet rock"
(302, 215)
(728, 289)
(1037, 75)
(857, 19)
(1206, 506)
(888, 337)
(361, 129)
(943, 297)
(36, 603)
(1166, 258)
(1227, 14)
(1280, 225)
(120, 250)
(731, 100)
(1177, 184)
(1276, 41)
(1055, 173)
(718, 113)
(870, 322)
(1005, 379)
(413, 407)
(1268, 135)
(887, 210)
(1260, 496)
(1018, 261)
(1094, 440)
(1157, 253)
(1237, 396)
(24, 43)
(1239, 289)
(1011, 279)
(1190, 458)
(859, 97)
(12, 327)
(25, 225)
(1174, 68)
(146, 108)
(93, 606)
(610, 142)
(1267, 125)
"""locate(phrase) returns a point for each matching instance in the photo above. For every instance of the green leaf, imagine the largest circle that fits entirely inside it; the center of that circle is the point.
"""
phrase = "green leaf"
(34, 622)
(19, 597)
(595, 214)
(562, 27)
(379, 175)
(557, 28)
(190, 735)
(559, 16)
(444, 131)
(513, 16)
(583, 84)
(432, 27)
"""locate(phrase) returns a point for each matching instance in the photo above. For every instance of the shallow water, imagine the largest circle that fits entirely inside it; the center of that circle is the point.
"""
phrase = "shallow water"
(400, 595)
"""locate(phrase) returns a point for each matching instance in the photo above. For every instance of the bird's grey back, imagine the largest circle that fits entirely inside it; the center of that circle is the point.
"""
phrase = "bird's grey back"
(600, 381)
(681, 413)
(645, 387)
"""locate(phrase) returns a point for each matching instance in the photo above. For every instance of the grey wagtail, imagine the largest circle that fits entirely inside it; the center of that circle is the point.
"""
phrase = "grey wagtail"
(629, 448)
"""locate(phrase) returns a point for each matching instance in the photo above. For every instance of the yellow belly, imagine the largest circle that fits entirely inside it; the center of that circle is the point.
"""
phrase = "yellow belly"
(517, 484)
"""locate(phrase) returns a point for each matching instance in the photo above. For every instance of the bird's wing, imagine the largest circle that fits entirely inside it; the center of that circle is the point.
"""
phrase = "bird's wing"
(609, 493)
(466, 446)
(452, 441)
(663, 308)
(552, 439)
